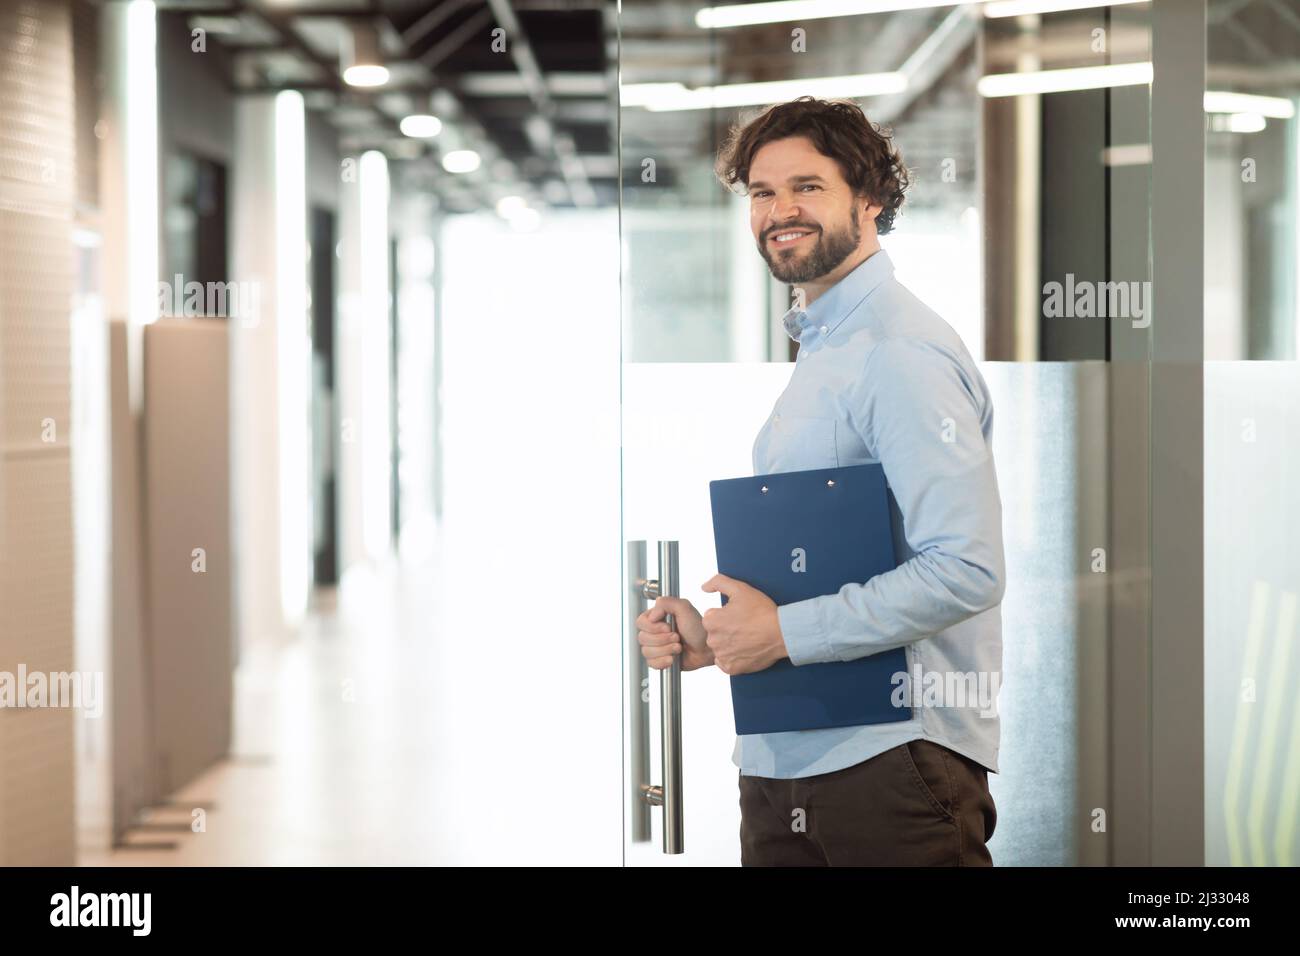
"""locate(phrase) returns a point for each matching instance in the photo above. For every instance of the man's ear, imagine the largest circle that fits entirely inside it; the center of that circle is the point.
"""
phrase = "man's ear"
(871, 209)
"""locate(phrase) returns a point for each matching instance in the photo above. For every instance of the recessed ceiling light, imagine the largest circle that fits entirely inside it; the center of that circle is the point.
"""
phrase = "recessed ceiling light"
(365, 74)
(421, 126)
(363, 62)
(1064, 81)
(1019, 8)
(783, 11)
(1238, 122)
(1222, 101)
(461, 161)
(659, 97)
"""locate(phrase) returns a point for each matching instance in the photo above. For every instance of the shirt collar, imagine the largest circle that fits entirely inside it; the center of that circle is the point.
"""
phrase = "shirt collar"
(836, 304)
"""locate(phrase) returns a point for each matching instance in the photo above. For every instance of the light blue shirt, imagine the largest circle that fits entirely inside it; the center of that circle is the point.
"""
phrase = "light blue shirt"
(881, 377)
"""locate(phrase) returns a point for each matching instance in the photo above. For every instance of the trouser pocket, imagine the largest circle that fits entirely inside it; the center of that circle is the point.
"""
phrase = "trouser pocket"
(931, 771)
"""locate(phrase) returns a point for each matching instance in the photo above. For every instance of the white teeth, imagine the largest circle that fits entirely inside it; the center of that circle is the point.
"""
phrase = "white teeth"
(787, 236)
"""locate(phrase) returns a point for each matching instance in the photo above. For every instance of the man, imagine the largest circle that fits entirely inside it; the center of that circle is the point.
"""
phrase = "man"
(879, 377)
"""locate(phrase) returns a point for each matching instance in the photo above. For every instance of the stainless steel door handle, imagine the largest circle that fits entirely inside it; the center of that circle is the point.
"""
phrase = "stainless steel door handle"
(644, 794)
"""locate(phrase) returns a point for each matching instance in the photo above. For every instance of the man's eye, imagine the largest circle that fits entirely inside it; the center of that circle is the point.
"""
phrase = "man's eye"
(810, 186)
(759, 195)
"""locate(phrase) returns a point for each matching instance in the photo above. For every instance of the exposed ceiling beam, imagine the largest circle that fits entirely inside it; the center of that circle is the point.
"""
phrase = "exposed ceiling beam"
(413, 35)
(560, 6)
(281, 23)
(454, 40)
(1223, 9)
(1258, 49)
(928, 62)
(1286, 12)
(566, 111)
(563, 98)
(513, 84)
(540, 128)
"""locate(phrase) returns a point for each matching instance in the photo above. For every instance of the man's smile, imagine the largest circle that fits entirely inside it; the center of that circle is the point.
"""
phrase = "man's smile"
(789, 237)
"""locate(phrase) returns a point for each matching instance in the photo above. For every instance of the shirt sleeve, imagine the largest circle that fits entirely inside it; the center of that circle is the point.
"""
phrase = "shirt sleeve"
(917, 410)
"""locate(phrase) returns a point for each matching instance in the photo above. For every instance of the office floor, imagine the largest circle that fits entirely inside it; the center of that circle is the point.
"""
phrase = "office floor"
(334, 760)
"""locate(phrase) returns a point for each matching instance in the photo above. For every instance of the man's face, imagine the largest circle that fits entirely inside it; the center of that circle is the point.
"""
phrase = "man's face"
(803, 214)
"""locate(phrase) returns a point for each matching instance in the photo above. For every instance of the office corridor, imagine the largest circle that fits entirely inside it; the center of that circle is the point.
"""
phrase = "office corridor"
(336, 756)
(367, 368)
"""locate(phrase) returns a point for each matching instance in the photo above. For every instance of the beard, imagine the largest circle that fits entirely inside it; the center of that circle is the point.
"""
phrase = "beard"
(831, 249)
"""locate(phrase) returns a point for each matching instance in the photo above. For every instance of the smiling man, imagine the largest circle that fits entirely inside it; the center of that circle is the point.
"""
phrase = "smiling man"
(879, 378)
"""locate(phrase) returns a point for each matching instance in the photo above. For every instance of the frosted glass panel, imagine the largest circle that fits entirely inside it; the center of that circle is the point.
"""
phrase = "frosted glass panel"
(688, 423)
(1052, 498)
(1252, 583)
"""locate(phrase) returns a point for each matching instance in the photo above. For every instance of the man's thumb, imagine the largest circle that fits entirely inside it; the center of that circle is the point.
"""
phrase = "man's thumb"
(673, 605)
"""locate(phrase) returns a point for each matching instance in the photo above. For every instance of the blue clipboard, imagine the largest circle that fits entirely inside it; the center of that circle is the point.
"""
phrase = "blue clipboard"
(799, 535)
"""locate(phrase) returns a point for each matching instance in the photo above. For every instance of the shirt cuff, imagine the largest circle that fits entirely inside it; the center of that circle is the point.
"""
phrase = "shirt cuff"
(806, 641)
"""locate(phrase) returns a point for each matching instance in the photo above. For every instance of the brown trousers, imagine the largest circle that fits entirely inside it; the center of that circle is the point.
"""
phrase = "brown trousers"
(917, 804)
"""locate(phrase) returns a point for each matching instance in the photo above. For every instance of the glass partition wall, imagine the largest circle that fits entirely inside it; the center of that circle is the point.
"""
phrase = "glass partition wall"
(1252, 434)
(1051, 153)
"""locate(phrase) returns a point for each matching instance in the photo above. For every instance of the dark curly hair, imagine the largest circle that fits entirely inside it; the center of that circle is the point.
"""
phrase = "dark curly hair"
(864, 151)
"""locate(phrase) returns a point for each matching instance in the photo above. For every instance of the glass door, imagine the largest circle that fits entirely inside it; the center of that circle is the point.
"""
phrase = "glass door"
(1030, 197)
(702, 367)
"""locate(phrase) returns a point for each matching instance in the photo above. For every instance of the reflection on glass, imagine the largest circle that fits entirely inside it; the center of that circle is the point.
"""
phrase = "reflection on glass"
(692, 278)
(1252, 177)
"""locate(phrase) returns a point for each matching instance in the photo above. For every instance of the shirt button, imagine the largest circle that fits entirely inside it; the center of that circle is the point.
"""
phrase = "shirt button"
(823, 330)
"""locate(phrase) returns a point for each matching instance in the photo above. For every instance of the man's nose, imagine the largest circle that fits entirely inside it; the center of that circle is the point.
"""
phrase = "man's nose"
(783, 210)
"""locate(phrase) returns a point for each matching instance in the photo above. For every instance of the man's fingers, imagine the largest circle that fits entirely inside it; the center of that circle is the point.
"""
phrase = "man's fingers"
(661, 656)
(652, 620)
(658, 638)
(670, 605)
(661, 653)
(728, 586)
